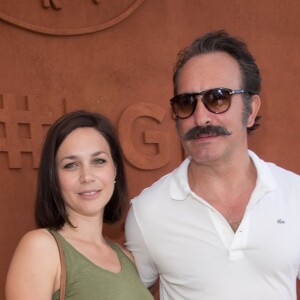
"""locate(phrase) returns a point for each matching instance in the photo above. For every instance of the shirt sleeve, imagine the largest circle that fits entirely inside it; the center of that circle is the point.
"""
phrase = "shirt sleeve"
(135, 243)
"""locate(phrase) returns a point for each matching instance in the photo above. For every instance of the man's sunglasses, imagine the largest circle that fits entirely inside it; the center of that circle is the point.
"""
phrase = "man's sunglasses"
(217, 101)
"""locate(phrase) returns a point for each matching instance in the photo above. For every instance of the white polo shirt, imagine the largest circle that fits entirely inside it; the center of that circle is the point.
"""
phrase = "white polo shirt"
(176, 235)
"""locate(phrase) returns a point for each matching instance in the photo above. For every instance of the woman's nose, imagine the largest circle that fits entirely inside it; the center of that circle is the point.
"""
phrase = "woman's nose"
(86, 174)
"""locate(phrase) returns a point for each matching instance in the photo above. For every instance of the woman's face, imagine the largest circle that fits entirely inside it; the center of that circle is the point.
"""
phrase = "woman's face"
(86, 172)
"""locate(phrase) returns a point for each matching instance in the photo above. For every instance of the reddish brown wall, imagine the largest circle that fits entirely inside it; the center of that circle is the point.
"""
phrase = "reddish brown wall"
(116, 57)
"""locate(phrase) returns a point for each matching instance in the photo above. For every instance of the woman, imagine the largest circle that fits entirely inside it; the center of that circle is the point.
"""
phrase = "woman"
(81, 184)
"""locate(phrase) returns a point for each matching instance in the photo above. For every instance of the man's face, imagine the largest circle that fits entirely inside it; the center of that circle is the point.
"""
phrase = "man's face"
(200, 73)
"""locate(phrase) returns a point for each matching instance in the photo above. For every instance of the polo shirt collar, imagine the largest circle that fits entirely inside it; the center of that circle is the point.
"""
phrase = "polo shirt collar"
(265, 181)
(180, 189)
(179, 185)
(264, 174)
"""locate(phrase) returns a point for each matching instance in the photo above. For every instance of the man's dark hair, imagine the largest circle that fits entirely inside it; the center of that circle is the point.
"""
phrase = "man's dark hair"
(50, 211)
(221, 41)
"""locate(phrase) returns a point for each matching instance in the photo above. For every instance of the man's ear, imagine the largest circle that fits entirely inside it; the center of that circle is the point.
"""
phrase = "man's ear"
(255, 105)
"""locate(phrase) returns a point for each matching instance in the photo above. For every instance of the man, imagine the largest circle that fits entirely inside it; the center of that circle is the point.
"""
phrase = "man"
(224, 224)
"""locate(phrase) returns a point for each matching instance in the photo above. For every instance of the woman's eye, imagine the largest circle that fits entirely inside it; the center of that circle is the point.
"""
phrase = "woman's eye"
(70, 165)
(99, 161)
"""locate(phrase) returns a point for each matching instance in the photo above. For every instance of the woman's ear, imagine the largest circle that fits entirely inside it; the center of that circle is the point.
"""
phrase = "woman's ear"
(255, 105)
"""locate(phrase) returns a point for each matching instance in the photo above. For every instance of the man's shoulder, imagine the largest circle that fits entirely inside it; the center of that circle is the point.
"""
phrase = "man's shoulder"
(280, 173)
(156, 190)
(160, 189)
(284, 174)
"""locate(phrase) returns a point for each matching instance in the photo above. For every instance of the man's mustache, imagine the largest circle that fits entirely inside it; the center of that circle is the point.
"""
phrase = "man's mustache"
(211, 130)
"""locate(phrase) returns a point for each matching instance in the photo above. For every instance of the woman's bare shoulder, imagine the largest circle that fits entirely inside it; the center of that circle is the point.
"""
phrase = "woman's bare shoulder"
(37, 255)
(36, 240)
(36, 247)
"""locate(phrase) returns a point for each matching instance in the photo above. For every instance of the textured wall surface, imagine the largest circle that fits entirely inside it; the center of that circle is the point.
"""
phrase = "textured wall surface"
(116, 57)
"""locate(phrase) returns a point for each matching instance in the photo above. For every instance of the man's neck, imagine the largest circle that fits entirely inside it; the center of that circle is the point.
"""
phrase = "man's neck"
(226, 187)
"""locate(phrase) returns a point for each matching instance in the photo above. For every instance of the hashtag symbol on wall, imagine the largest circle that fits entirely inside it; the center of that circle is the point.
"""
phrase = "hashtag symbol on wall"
(22, 130)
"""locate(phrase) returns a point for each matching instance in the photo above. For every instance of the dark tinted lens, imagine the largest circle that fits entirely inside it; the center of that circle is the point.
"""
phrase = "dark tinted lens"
(183, 105)
(217, 100)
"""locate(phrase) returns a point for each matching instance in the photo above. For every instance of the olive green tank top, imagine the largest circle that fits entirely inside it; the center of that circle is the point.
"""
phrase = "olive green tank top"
(87, 281)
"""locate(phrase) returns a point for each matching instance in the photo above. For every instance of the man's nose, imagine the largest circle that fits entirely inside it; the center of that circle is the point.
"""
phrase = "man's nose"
(202, 116)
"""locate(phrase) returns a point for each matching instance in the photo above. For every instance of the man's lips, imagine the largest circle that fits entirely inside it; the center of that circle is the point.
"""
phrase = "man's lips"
(200, 136)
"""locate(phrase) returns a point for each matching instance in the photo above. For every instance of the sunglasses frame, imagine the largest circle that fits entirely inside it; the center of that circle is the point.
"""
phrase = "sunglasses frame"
(194, 96)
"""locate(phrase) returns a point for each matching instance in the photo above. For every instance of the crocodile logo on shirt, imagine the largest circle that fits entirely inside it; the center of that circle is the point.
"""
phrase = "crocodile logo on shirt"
(280, 221)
